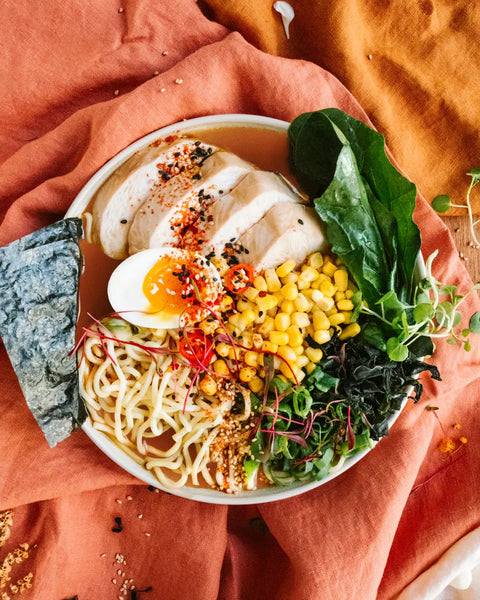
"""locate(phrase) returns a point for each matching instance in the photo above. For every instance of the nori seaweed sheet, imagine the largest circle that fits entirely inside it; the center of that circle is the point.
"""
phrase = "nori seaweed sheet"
(39, 282)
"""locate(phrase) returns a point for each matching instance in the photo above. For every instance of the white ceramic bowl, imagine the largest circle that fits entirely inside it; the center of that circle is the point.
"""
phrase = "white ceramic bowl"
(101, 440)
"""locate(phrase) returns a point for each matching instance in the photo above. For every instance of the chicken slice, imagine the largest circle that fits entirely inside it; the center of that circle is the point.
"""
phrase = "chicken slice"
(287, 231)
(230, 216)
(169, 210)
(118, 199)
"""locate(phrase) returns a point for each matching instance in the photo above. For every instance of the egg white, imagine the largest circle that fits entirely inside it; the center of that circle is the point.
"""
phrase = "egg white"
(125, 287)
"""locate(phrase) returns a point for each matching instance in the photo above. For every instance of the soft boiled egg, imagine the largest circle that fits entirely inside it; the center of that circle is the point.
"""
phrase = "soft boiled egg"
(164, 288)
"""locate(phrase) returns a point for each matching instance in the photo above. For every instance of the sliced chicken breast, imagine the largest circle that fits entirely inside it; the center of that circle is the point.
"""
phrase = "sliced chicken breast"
(168, 211)
(287, 231)
(119, 198)
(230, 216)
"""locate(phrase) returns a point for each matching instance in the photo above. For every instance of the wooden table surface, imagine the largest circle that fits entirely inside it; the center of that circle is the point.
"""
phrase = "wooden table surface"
(460, 230)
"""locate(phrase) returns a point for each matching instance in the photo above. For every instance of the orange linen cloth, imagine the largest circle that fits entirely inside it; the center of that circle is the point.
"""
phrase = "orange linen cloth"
(79, 83)
(412, 66)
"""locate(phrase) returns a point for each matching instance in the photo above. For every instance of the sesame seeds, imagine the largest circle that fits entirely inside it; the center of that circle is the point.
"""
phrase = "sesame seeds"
(178, 81)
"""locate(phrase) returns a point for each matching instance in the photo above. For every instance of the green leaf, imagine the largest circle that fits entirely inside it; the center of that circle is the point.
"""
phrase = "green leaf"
(452, 341)
(444, 313)
(421, 347)
(441, 203)
(467, 346)
(422, 312)
(351, 228)
(396, 351)
(466, 332)
(447, 289)
(457, 318)
(366, 203)
(474, 173)
(302, 400)
(372, 333)
(475, 322)
(251, 468)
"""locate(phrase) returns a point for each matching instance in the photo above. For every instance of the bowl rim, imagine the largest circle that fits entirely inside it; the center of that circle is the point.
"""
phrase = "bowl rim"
(102, 441)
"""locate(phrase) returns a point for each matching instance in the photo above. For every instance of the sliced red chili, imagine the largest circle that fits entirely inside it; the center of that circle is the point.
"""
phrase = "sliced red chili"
(238, 278)
(196, 348)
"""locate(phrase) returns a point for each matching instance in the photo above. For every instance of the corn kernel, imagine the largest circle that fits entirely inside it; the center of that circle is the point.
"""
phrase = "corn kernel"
(332, 311)
(298, 350)
(295, 337)
(308, 293)
(261, 316)
(310, 368)
(310, 330)
(309, 274)
(329, 268)
(339, 296)
(288, 370)
(290, 278)
(260, 284)
(256, 385)
(244, 304)
(327, 288)
(287, 353)
(269, 347)
(336, 319)
(315, 260)
(350, 331)
(251, 358)
(280, 338)
(290, 291)
(300, 374)
(208, 385)
(320, 320)
(246, 339)
(287, 307)
(348, 317)
(302, 361)
(266, 302)
(220, 367)
(285, 268)
(251, 293)
(272, 312)
(302, 304)
(235, 321)
(341, 279)
(345, 305)
(267, 326)
(348, 294)
(321, 336)
(257, 340)
(247, 317)
(208, 326)
(302, 283)
(222, 349)
(282, 321)
(225, 303)
(246, 374)
(314, 354)
(273, 282)
(300, 319)
(233, 353)
(280, 297)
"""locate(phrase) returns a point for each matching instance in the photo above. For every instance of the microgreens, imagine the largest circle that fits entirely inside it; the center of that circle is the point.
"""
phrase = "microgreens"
(434, 314)
(443, 203)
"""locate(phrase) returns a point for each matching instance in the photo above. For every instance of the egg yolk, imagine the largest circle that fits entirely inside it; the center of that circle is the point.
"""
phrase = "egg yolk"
(168, 285)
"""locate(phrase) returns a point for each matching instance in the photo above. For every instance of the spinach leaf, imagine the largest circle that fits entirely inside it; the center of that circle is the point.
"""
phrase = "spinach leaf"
(352, 230)
(342, 163)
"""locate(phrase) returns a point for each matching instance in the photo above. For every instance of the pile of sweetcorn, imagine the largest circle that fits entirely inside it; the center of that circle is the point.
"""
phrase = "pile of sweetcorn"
(277, 314)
